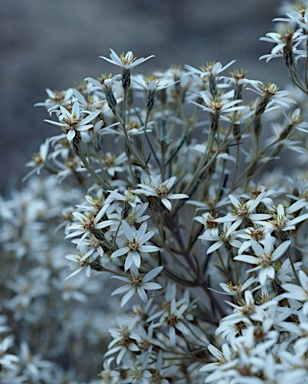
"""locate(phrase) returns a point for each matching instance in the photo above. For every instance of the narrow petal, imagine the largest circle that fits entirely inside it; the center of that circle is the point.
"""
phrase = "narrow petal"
(280, 251)
(119, 252)
(122, 289)
(247, 259)
(142, 294)
(150, 275)
(71, 134)
(127, 297)
(166, 203)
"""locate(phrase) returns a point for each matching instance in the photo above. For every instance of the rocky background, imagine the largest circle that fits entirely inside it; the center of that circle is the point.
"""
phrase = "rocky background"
(55, 43)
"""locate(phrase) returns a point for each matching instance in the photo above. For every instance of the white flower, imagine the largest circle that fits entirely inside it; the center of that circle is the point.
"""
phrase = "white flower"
(264, 257)
(298, 16)
(251, 233)
(296, 120)
(174, 318)
(121, 342)
(226, 237)
(126, 61)
(272, 95)
(222, 368)
(243, 212)
(81, 261)
(235, 290)
(211, 69)
(243, 316)
(107, 373)
(90, 222)
(112, 163)
(134, 245)
(218, 106)
(103, 83)
(286, 42)
(38, 159)
(154, 187)
(152, 84)
(132, 215)
(56, 99)
(73, 121)
(283, 219)
(137, 283)
(137, 372)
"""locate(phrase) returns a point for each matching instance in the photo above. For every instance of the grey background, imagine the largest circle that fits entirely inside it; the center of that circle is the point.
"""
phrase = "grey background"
(56, 43)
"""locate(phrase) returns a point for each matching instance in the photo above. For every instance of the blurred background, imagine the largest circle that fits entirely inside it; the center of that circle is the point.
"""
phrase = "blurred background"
(56, 43)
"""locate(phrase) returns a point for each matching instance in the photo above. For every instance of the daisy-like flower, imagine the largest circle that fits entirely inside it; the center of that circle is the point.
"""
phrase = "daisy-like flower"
(225, 360)
(264, 257)
(283, 219)
(122, 341)
(137, 283)
(107, 374)
(298, 293)
(107, 84)
(104, 82)
(281, 142)
(286, 43)
(55, 99)
(73, 122)
(295, 120)
(137, 372)
(39, 159)
(174, 318)
(243, 316)
(298, 15)
(89, 222)
(34, 367)
(237, 78)
(152, 85)
(133, 215)
(208, 75)
(134, 245)
(235, 290)
(153, 186)
(270, 96)
(208, 221)
(218, 106)
(127, 197)
(210, 69)
(80, 262)
(126, 61)
(93, 203)
(227, 237)
(244, 212)
(285, 271)
(255, 233)
(113, 163)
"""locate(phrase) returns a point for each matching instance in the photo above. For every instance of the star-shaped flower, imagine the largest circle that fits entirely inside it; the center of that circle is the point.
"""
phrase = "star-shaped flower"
(137, 282)
(153, 186)
(134, 244)
(126, 61)
(74, 121)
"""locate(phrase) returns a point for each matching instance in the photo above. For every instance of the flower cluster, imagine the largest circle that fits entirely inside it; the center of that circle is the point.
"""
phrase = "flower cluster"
(171, 193)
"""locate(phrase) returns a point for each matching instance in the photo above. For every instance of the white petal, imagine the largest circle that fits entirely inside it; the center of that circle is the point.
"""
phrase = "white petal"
(128, 296)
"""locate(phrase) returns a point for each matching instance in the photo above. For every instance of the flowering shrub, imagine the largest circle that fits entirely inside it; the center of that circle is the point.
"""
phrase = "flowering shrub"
(178, 187)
